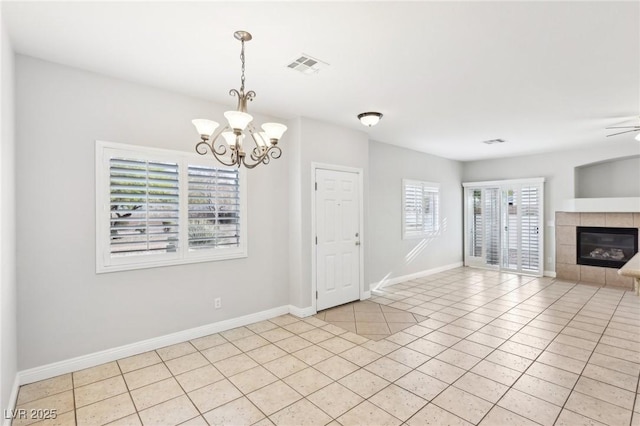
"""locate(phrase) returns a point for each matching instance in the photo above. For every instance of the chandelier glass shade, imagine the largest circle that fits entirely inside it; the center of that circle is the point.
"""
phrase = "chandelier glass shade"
(229, 145)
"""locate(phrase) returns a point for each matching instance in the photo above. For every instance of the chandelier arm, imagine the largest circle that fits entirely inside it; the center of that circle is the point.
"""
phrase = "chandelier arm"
(219, 153)
(273, 151)
(220, 157)
(255, 154)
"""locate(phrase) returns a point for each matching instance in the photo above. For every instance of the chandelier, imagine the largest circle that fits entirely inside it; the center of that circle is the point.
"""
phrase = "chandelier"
(228, 144)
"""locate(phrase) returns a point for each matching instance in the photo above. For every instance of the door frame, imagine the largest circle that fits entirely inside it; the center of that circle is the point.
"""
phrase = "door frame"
(336, 168)
(502, 185)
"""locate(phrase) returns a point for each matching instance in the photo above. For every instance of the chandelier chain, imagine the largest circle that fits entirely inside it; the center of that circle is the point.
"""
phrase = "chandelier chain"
(242, 60)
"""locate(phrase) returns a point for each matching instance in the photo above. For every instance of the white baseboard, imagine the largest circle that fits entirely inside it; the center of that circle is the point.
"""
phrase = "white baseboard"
(97, 358)
(301, 312)
(397, 280)
(551, 274)
(13, 398)
(366, 295)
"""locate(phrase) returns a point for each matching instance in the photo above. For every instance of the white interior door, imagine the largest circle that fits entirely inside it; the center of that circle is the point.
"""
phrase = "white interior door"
(337, 238)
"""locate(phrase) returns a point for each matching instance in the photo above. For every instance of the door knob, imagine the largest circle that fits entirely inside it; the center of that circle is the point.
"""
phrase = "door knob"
(357, 243)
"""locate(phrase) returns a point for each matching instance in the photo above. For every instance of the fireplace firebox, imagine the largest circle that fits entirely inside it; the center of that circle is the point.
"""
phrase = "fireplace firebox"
(607, 247)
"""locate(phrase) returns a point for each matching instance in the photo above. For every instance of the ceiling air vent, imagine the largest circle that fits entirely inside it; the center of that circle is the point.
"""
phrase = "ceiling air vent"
(492, 141)
(306, 64)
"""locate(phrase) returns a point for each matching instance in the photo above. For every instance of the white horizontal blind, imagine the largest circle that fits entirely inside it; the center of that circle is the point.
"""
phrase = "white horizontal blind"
(420, 208)
(144, 207)
(214, 207)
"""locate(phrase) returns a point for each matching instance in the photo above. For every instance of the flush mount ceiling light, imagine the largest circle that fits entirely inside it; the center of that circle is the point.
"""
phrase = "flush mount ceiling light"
(369, 118)
(265, 142)
(493, 141)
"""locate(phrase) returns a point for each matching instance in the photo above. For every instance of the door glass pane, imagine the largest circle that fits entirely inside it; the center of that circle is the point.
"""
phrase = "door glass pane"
(475, 231)
(530, 220)
(492, 225)
(510, 229)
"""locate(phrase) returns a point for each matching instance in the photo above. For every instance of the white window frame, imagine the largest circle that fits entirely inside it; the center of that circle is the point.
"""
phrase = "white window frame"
(435, 218)
(106, 263)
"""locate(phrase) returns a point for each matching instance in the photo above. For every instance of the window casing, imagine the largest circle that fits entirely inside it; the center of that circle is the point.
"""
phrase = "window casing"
(158, 207)
(420, 208)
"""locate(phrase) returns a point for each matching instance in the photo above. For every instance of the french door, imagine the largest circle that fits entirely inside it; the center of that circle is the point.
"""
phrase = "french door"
(504, 225)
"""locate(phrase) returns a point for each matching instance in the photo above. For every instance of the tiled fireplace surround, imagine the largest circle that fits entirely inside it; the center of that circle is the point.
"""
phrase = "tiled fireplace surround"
(566, 265)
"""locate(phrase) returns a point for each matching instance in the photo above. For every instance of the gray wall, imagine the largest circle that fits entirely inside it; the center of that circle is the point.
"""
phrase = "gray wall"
(614, 178)
(390, 255)
(64, 308)
(325, 143)
(559, 170)
(8, 282)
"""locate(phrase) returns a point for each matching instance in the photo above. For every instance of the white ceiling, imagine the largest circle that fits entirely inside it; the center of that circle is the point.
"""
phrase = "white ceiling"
(544, 76)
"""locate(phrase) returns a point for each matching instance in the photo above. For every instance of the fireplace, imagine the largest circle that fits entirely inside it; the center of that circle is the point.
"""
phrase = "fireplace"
(608, 247)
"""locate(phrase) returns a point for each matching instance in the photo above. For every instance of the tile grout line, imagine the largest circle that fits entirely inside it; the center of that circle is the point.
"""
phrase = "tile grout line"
(451, 287)
(587, 363)
(494, 404)
(552, 340)
(450, 347)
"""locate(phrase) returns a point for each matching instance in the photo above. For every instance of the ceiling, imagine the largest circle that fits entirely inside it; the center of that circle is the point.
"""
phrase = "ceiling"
(544, 76)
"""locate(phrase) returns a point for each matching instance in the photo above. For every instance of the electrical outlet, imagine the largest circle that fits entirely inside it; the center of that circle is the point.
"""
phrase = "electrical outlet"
(217, 303)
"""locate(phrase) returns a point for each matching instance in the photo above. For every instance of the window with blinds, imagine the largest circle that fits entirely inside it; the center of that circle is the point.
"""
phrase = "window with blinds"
(214, 207)
(144, 206)
(420, 208)
(159, 207)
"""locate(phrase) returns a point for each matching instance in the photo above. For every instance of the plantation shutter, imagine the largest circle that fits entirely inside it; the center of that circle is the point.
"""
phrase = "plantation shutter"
(420, 208)
(430, 202)
(144, 207)
(492, 225)
(477, 225)
(530, 220)
(214, 207)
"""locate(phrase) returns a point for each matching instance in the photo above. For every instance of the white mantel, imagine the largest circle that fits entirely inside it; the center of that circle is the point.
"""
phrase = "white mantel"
(602, 205)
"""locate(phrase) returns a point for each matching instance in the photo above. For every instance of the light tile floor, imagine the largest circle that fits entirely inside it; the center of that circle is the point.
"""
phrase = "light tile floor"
(496, 349)
(372, 320)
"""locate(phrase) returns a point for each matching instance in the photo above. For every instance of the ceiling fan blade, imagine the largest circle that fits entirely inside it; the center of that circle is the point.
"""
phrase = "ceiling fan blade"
(626, 131)
(623, 127)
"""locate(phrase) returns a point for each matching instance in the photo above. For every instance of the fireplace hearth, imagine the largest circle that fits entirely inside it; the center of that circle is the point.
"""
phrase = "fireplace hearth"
(604, 246)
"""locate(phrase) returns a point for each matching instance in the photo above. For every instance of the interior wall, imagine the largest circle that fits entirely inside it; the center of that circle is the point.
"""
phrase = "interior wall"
(65, 309)
(606, 179)
(390, 255)
(293, 158)
(558, 168)
(8, 284)
(325, 143)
